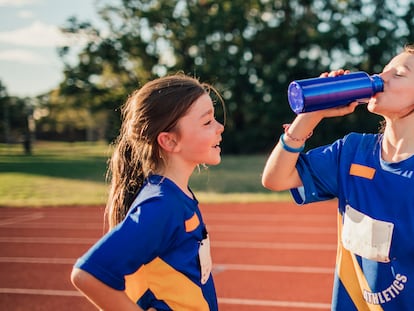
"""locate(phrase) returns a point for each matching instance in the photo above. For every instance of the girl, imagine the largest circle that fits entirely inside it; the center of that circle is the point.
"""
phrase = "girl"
(156, 255)
(372, 177)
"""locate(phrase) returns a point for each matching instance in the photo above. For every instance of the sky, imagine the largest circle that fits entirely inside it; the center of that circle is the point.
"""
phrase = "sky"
(29, 38)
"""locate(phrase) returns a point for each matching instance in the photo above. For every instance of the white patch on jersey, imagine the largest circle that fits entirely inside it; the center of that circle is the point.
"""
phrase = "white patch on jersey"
(205, 260)
(365, 236)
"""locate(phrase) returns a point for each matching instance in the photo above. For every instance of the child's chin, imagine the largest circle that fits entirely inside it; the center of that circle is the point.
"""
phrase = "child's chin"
(215, 162)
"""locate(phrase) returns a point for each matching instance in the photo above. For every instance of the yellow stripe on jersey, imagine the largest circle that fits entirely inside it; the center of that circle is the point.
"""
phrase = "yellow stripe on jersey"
(351, 275)
(168, 285)
(192, 223)
(362, 171)
(136, 284)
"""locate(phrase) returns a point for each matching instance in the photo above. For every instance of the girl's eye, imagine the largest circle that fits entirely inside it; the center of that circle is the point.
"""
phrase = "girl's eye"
(210, 121)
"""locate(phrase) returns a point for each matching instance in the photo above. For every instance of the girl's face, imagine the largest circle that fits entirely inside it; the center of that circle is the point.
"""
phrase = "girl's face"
(397, 100)
(199, 134)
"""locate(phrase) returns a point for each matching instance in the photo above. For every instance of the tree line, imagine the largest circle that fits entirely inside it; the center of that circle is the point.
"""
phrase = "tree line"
(249, 49)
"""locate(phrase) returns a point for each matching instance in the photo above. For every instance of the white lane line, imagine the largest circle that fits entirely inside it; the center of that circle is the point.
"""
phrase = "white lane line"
(47, 240)
(266, 217)
(272, 268)
(272, 245)
(275, 303)
(220, 244)
(217, 267)
(212, 228)
(266, 229)
(58, 261)
(50, 225)
(45, 292)
(22, 218)
(228, 301)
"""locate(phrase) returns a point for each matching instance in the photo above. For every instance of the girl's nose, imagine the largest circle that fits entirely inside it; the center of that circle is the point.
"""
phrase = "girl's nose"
(385, 75)
(220, 127)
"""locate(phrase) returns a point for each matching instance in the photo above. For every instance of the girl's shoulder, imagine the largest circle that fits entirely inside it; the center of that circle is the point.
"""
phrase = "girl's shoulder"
(161, 191)
(354, 137)
(360, 141)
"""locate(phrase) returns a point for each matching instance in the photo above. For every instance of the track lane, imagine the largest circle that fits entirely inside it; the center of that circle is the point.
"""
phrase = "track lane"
(267, 256)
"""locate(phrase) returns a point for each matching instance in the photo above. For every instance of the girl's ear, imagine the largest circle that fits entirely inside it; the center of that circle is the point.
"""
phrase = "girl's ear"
(167, 141)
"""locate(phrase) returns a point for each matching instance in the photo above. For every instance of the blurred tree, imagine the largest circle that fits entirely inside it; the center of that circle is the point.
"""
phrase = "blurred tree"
(15, 116)
(5, 114)
(249, 49)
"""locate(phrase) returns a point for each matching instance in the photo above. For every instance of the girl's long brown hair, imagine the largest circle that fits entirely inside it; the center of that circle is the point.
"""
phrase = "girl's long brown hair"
(153, 109)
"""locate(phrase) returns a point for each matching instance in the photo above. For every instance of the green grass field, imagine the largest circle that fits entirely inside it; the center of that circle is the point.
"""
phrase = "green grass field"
(59, 173)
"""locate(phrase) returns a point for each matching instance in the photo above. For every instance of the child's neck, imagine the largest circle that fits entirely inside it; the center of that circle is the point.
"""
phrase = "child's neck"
(397, 144)
(180, 177)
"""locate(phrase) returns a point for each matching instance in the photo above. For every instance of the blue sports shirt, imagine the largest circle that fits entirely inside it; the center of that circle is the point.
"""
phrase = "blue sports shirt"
(153, 253)
(375, 256)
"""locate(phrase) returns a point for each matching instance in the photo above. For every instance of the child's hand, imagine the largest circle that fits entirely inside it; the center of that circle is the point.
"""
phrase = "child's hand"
(334, 73)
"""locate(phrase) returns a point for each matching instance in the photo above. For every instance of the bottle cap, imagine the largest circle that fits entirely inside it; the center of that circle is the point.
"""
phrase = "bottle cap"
(378, 83)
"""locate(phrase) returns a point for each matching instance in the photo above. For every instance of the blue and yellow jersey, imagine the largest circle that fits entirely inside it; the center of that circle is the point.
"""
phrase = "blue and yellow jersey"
(153, 254)
(375, 257)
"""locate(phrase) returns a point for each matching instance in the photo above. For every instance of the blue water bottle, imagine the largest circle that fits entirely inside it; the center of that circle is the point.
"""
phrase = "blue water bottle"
(327, 92)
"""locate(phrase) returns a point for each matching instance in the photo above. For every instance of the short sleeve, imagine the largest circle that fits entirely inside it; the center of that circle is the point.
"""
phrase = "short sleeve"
(318, 170)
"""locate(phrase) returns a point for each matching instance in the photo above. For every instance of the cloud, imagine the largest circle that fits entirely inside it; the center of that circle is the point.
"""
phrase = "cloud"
(25, 14)
(22, 56)
(18, 3)
(37, 34)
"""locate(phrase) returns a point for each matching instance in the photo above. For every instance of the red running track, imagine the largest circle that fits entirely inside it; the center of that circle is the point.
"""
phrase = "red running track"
(267, 256)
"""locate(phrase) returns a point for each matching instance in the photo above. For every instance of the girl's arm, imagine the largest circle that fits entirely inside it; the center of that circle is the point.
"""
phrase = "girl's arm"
(280, 170)
(100, 294)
